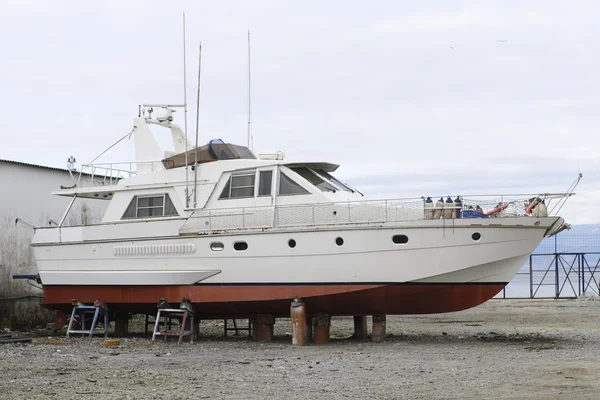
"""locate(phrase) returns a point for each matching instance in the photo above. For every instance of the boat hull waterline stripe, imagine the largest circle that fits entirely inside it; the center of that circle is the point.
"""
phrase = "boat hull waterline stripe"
(247, 300)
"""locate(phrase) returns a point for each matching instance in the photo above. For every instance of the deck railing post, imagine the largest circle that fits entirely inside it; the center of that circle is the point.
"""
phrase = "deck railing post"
(386, 211)
(349, 216)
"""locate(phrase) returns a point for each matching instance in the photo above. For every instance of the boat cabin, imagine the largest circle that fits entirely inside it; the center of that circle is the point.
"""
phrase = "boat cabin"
(217, 175)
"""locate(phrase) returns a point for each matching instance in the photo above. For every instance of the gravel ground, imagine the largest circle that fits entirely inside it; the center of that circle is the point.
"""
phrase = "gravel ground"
(504, 349)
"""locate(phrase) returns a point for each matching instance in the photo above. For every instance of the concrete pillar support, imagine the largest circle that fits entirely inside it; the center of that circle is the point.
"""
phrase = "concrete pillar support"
(121, 324)
(378, 333)
(263, 328)
(321, 328)
(360, 326)
(309, 328)
(299, 328)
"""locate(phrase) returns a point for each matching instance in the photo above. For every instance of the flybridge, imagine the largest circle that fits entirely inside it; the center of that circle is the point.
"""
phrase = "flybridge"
(149, 158)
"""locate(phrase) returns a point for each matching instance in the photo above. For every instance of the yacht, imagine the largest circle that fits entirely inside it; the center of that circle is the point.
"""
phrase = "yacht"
(238, 234)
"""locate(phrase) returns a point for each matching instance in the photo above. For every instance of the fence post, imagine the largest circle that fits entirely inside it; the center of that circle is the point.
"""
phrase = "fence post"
(556, 281)
(581, 264)
(580, 273)
(531, 276)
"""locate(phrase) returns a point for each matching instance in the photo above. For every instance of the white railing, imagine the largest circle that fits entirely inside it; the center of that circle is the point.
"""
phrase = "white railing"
(353, 212)
(102, 174)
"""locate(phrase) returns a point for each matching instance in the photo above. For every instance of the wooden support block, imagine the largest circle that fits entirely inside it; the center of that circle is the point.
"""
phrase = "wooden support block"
(112, 342)
(263, 328)
(196, 329)
(309, 328)
(378, 334)
(121, 324)
(322, 324)
(360, 326)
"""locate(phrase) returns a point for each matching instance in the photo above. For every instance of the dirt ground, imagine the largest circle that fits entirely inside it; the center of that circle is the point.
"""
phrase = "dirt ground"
(504, 349)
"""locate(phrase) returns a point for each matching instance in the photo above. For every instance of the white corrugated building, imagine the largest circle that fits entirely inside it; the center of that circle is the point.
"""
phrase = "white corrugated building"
(25, 194)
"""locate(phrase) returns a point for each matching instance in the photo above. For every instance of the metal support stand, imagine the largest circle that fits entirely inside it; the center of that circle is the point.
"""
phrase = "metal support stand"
(82, 311)
(237, 328)
(185, 314)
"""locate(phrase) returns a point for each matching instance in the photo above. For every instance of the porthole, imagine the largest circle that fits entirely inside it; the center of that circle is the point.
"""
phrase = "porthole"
(400, 239)
(476, 236)
(339, 241)
(292, 243)
(240, 246)
(217, 246)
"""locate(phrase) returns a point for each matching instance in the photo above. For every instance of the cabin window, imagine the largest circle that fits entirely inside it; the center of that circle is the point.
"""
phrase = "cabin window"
(288, 187)
(314, 179)
(239, 185)
(217, 246)
(240, 246)
(400, 239)
(150, 206)
(264, 183)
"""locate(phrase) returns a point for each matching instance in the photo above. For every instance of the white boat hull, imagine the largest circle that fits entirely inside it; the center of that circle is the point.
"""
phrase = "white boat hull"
(368, 259)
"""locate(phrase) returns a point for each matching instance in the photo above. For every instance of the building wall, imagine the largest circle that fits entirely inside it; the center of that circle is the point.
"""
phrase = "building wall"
(25, 194)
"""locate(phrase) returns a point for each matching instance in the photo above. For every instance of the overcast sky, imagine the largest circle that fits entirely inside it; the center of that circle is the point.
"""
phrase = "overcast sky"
(444, 98)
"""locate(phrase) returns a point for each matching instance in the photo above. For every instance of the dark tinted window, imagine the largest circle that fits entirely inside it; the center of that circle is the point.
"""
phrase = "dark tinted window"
(288, 186)
(264, 183)
(400, 239)
(150, 206)
(327, 175)
(314, 179)
(239, 185)
(240, 246)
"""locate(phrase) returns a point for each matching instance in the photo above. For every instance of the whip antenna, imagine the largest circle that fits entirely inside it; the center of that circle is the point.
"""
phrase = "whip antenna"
(197, 119)
(250, 139)
(187, 199)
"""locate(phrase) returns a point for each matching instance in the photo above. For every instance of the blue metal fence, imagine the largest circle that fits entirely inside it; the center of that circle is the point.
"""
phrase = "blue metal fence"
(563, 266)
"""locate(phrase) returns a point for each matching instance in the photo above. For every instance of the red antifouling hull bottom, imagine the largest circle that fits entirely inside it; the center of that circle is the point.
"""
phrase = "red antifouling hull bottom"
(240, 301)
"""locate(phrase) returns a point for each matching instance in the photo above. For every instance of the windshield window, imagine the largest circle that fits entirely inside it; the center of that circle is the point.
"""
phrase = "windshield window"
(288, 187)
(314, 179)
(327, 175)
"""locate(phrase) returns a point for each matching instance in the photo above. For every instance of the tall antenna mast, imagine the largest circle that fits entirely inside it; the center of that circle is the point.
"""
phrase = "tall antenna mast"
(187, 199)
(197, 119)
(250, 141)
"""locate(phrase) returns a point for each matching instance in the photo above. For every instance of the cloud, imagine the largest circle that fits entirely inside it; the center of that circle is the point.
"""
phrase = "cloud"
(442, 97)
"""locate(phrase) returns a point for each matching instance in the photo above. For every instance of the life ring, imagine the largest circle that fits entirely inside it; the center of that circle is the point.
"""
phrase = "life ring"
(531, 207)
(497, 209)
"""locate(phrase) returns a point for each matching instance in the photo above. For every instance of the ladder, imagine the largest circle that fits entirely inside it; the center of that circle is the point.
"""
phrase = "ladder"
(81, 311)
(184, 313)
